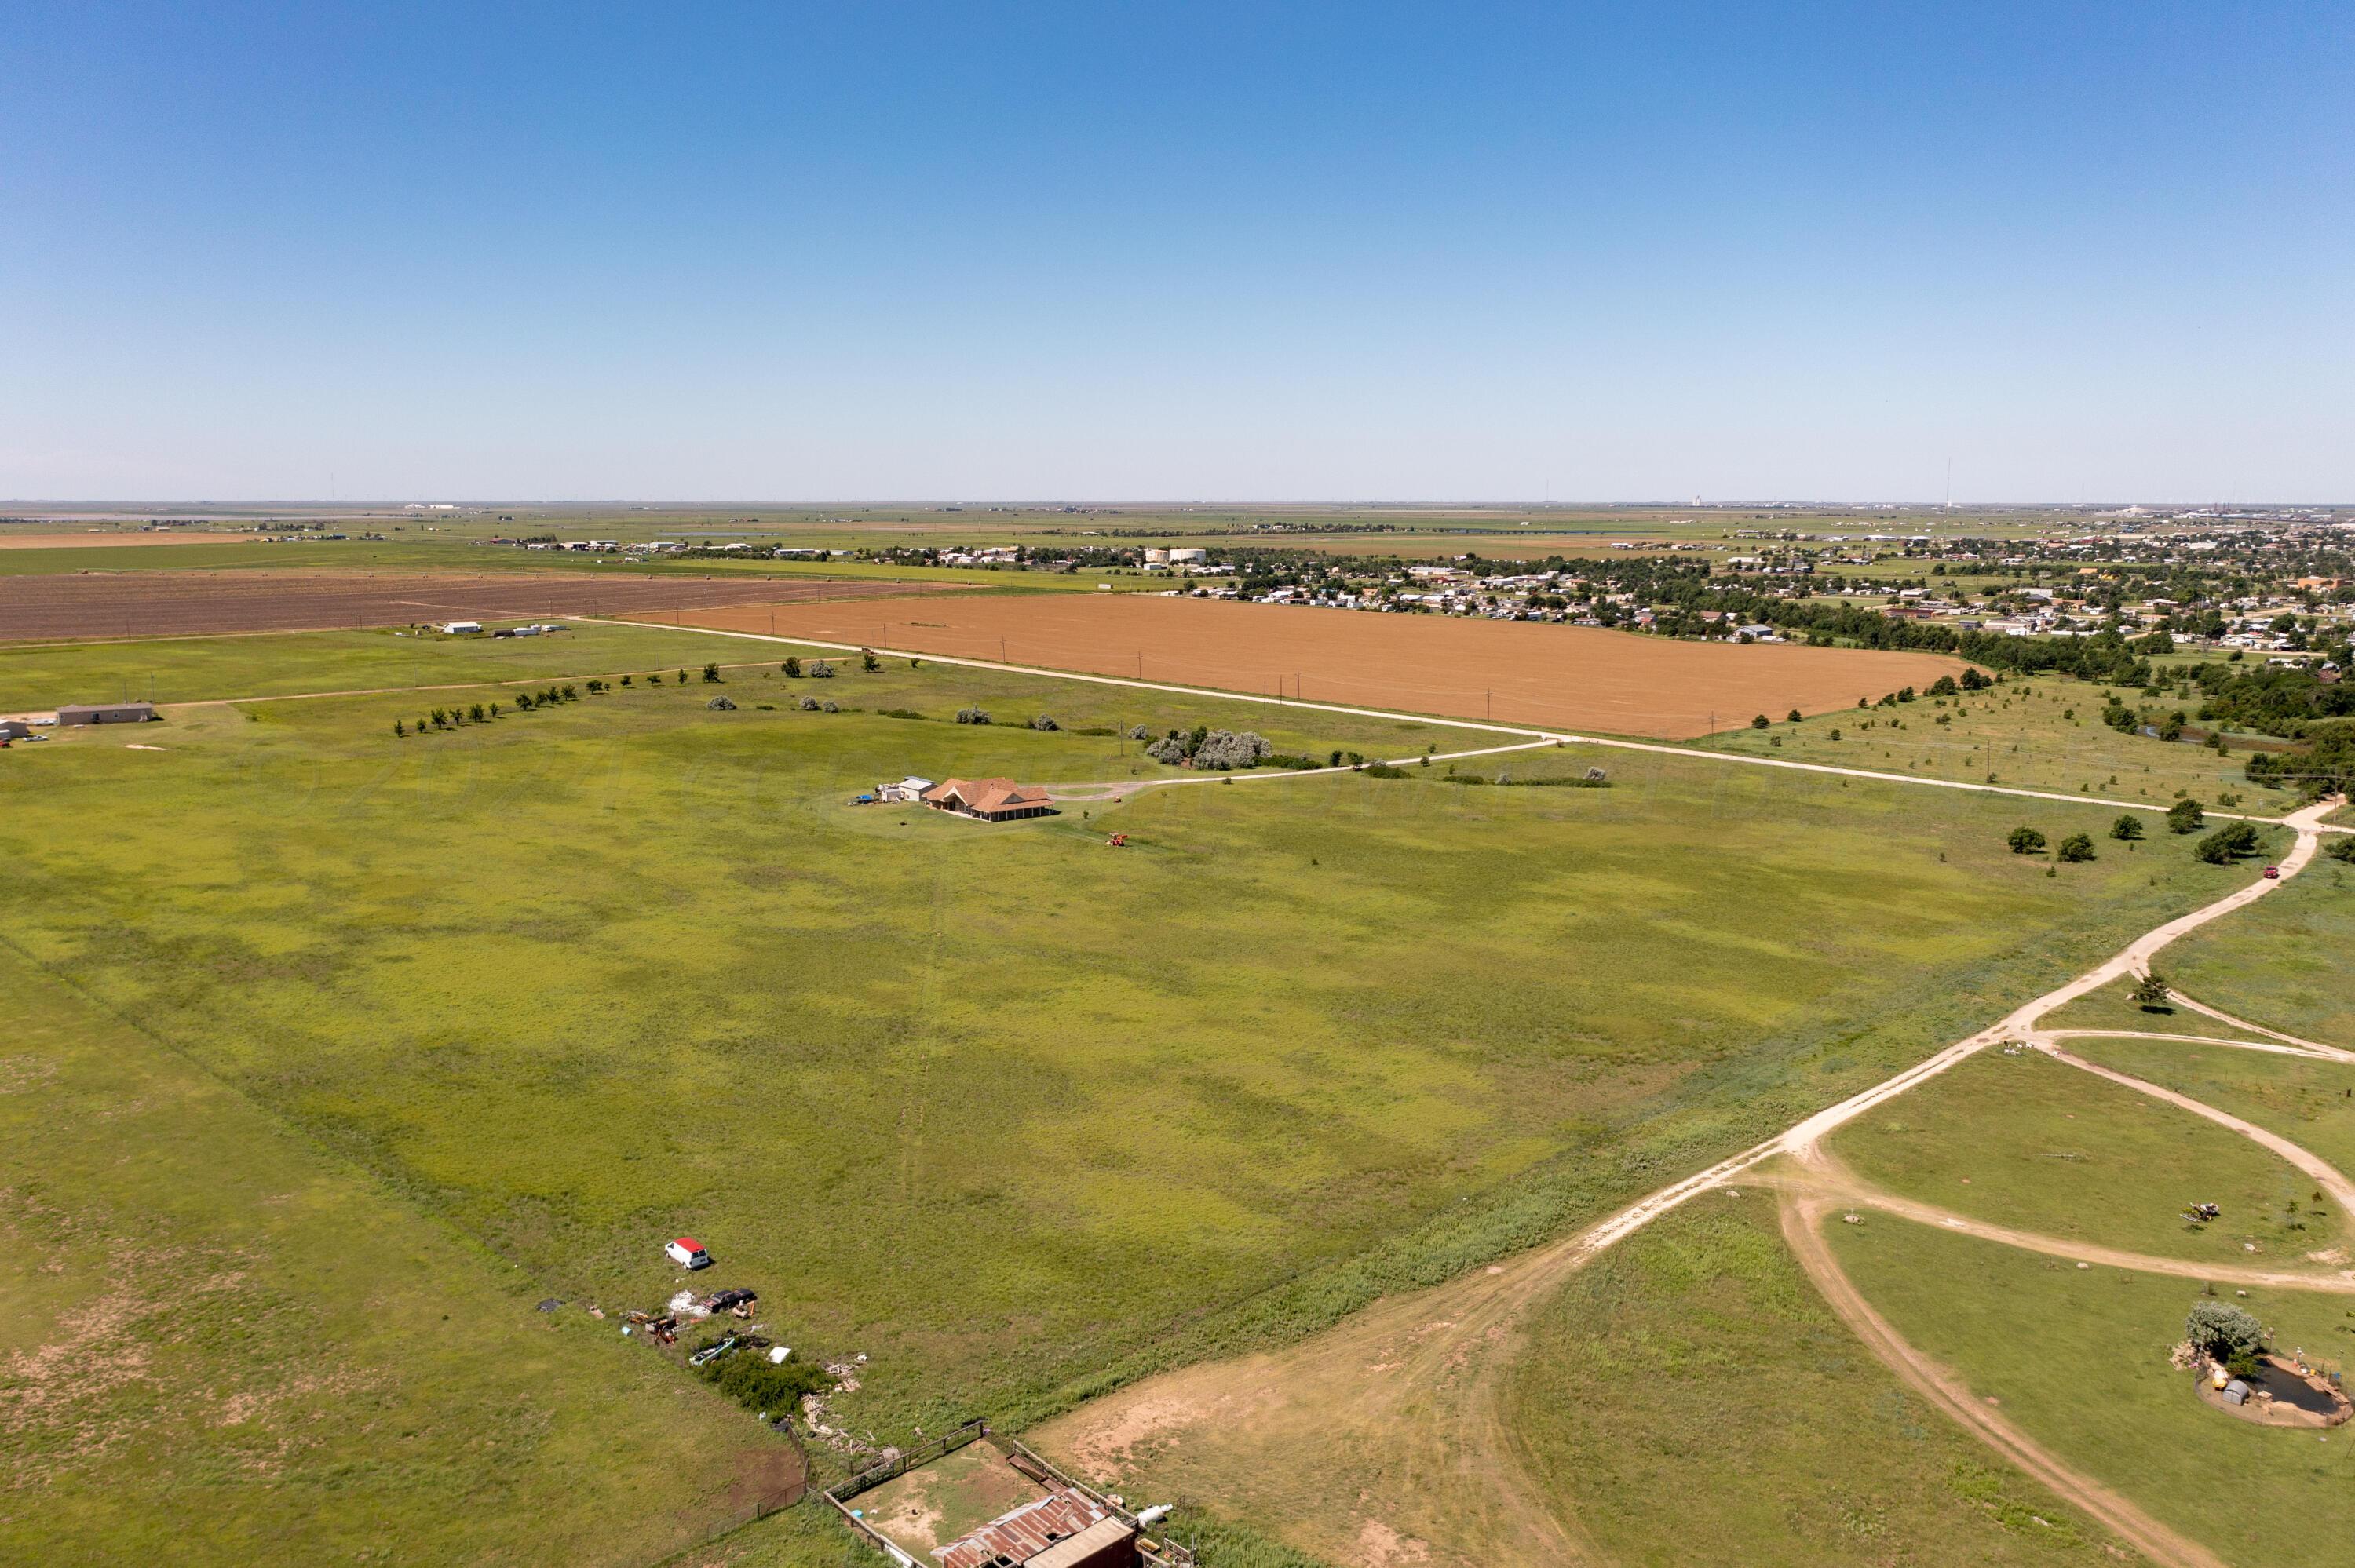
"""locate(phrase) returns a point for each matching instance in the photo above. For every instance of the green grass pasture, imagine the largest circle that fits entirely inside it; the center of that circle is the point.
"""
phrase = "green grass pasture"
(2282, 963)
(1013, 1112)
(1689, 1398)
(2309, 1102)
(2078, 1358)
(2114, 1007)
(218, 1345)
(2044, 732)
(2038, 1145)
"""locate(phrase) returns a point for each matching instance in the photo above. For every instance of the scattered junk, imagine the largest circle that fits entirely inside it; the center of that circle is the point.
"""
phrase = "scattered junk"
(2237, 1392)
(780, 1354)
(2203, 1213)
(712, 1352)
(550, 1305)
(687, 1252)
(662, 1329)
(686, 1304)
(1852, 1219)
(1055, 1520)
(739, 1303)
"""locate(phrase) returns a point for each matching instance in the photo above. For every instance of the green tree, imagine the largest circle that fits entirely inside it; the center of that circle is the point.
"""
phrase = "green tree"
(2185, 817)
(2127, 828)
(2152, 989)
(625, 679)
(1760, 721)
(476, 713)
(1943, 686)
(2075, 848)
(399, 727)
(2025, 840)
(2227, 844)
(867, 662)
(494, 710)
(793, 669)
(2341, 848)
(711, 674)
(2225, 1334)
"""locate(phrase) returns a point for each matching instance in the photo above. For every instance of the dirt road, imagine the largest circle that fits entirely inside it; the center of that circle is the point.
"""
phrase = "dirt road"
(1380, 1440)
(1802, 1222)
(1730, 758)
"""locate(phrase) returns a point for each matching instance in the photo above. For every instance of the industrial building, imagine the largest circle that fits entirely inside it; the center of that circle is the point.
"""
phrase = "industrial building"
(105, 713)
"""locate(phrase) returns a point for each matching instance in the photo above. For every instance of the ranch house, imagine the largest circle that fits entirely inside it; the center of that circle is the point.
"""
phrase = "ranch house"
(991, 800)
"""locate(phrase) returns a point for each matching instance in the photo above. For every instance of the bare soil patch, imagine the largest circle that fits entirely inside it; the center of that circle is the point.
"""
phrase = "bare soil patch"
(1578, 677)
(186, 603)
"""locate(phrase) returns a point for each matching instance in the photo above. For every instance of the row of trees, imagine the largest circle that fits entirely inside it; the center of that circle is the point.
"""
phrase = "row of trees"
(485, 713)
(2076, 847)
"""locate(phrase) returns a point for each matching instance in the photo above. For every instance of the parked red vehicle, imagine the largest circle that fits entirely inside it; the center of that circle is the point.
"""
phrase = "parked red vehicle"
(2273, 871)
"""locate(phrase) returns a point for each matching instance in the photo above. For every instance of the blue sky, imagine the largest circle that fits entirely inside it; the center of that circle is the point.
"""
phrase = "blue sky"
(1177, 251)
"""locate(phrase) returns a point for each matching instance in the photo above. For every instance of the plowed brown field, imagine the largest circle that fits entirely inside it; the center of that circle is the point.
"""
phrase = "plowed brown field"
(185, 603)
(1580, 677)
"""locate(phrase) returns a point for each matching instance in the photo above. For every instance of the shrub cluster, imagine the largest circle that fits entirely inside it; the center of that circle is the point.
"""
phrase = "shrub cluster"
(752, 1381)
(2227, 844)
(1202, 747)
(2225, 1334)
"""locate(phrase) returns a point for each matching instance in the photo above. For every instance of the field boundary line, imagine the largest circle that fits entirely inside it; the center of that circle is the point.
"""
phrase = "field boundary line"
(1568, 736)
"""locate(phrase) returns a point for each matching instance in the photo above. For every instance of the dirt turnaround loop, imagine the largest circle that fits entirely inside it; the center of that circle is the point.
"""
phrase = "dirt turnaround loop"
(1580, 677)
(189, 603)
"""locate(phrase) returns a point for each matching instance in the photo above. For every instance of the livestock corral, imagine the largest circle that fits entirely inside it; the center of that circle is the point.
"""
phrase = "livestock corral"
(1511, 672)
(186, 603)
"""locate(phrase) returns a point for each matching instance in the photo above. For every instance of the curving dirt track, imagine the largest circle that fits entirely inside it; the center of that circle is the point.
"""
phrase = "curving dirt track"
(190, 603)
(1380, 1441)
(1802, 1222)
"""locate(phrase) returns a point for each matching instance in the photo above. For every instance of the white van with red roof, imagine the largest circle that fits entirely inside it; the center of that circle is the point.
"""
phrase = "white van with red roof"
(687, 1252)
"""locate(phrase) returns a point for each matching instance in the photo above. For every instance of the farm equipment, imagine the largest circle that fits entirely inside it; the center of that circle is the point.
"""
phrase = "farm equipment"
(1118, 841)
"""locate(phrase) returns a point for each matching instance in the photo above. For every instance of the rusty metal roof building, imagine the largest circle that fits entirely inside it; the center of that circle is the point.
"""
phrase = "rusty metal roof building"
(1037, 1531)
